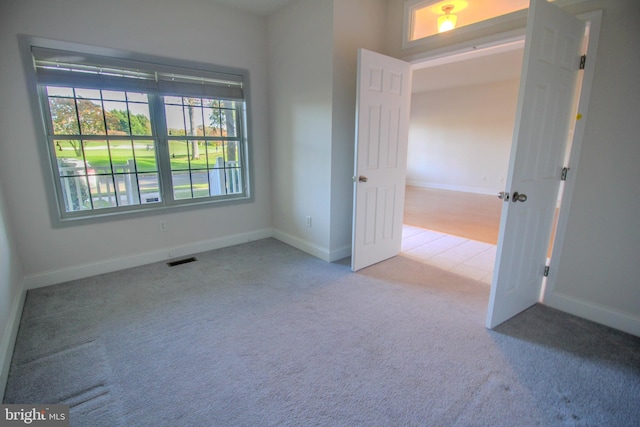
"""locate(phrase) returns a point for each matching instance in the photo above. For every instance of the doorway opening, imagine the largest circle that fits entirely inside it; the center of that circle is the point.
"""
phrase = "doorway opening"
(536, 160)
(460, 136)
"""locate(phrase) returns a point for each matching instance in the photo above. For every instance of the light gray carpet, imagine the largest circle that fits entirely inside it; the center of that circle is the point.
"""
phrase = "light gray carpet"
(262, 334)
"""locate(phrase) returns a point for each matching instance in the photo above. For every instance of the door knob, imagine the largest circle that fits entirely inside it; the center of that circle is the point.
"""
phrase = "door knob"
(363, 178)
(519, 197)
(503, 195)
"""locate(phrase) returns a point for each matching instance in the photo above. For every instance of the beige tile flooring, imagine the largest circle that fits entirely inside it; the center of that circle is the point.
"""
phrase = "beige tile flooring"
(462, 256)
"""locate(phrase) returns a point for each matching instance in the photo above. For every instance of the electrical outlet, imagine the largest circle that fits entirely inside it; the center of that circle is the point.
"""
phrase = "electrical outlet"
(309, 221)
(162, 225)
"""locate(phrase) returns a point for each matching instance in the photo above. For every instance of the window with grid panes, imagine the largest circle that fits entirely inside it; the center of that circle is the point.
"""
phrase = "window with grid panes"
(126, 135)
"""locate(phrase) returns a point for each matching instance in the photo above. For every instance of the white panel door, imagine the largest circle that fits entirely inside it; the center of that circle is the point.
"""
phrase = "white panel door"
(382, 126)
(550, 69)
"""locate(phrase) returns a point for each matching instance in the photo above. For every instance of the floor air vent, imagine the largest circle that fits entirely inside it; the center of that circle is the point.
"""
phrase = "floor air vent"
(181, 261)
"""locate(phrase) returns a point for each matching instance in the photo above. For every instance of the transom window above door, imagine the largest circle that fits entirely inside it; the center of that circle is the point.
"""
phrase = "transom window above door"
(434, 19)
(425, 18)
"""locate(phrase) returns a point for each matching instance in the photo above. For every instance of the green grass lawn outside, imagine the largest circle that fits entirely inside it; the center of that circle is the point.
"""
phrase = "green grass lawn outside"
(97, 154)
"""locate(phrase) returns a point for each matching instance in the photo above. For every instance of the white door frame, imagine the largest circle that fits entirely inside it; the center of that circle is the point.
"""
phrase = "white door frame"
(499, 41)
(594, 22)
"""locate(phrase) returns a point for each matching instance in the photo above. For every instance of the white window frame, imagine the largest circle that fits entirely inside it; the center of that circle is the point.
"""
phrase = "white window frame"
(172, 78)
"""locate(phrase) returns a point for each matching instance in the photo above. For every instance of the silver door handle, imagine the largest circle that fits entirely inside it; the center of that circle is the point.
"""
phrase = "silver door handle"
(519, 197)
(503, 195)
(363, 178)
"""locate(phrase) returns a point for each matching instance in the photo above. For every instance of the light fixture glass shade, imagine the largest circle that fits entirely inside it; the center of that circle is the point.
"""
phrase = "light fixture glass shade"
(446, 22)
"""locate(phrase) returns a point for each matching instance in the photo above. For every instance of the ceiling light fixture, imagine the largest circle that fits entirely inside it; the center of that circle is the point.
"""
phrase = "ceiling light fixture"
(447, 21)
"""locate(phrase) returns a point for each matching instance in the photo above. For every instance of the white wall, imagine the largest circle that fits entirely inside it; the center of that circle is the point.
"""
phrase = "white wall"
(10, 292)
(194, 30)
(300, 107)
(312, 73)
(349, 34)
(460, 138)
(598, 273)
(597, 270)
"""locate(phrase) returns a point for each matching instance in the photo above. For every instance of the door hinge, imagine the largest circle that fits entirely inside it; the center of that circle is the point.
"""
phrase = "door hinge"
(546, 271)
(583, 61)
(563, 175)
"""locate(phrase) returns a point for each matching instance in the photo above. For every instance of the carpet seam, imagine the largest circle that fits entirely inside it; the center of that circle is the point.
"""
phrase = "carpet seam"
(57, 353)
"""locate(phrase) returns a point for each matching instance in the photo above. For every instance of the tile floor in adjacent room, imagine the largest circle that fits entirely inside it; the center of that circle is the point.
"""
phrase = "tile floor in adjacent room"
(466, 257)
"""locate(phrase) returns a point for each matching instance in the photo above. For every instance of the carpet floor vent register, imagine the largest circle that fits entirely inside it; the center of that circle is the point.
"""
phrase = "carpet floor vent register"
(181, 261)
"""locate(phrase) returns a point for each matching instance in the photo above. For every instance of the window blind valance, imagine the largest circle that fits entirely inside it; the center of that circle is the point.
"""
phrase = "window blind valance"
(64, 68)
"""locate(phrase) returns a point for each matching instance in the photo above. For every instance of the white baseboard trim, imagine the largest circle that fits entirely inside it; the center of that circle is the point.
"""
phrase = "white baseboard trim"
(339, 254)
(9, 338)
(595, 312)
(315, 250)
(477, 190)
(115, 264)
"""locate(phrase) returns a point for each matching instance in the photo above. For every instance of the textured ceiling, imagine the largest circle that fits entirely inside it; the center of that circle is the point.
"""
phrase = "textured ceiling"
(260, 7)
